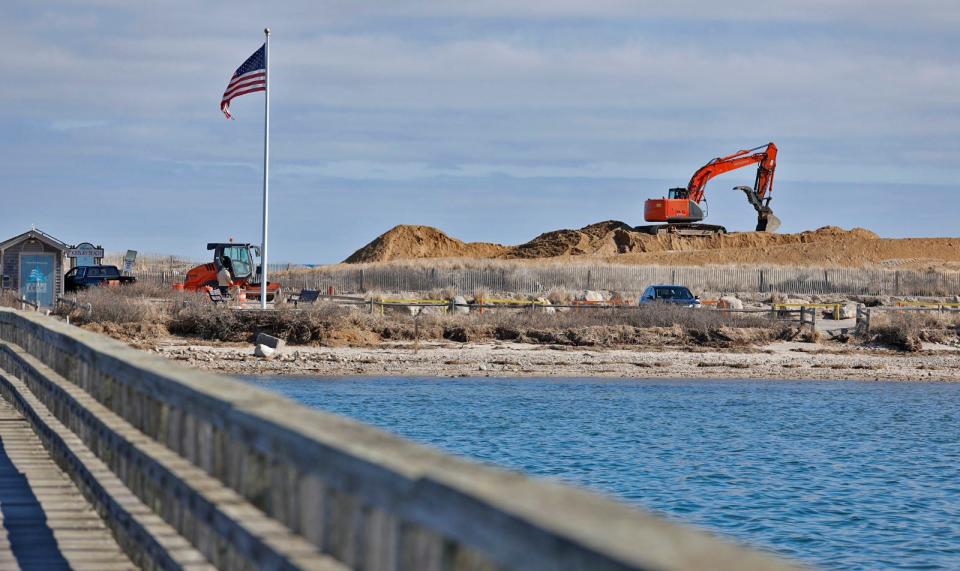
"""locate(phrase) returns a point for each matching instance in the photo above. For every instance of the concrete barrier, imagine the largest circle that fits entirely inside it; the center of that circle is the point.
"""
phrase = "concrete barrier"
(254, 481)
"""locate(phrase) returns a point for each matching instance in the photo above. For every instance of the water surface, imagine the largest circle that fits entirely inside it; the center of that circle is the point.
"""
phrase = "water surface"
(845, 475)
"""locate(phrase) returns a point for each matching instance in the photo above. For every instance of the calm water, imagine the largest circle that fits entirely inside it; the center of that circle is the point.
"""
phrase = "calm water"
(843, 475)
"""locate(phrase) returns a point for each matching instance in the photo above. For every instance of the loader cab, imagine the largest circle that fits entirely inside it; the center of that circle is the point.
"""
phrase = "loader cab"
(678, 193)
(243, 257)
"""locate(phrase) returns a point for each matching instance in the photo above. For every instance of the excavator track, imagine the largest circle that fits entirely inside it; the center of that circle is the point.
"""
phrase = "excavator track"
(682, 229)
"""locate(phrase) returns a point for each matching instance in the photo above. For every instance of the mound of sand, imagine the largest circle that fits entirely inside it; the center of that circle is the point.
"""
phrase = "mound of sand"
(405, 242)
(616, 241)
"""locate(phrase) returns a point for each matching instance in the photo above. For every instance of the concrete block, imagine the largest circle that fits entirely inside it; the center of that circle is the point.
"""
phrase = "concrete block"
(545, 304)
(590, 295)
(460, 301)
(270, 341)
(848, 311)
(729, 302)
(264, 351)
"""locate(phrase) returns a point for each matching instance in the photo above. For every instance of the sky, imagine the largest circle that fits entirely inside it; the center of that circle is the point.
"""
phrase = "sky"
(492, 120)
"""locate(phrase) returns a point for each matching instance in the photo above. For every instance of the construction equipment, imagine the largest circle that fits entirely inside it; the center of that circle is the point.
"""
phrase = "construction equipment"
(684, 208)
(244, 265)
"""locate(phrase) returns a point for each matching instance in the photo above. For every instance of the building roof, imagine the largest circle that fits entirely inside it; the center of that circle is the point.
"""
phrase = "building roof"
(39, 235)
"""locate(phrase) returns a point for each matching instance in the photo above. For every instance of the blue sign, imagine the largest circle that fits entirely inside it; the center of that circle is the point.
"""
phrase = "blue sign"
(37, 278)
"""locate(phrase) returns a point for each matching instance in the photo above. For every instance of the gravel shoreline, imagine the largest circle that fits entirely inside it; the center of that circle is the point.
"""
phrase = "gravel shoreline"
(777, 361)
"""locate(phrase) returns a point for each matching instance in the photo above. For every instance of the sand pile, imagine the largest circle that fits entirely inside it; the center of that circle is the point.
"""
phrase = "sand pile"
(405, 242)
(619, 242)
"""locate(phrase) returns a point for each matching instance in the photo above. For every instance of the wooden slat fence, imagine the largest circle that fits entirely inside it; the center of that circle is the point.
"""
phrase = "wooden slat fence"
(626, 279)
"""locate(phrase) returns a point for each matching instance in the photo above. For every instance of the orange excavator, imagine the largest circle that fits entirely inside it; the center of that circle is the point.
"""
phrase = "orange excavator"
(244, 265)
(684, 208)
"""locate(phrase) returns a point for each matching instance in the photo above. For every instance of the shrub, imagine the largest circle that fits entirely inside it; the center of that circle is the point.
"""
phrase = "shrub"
(908, 330)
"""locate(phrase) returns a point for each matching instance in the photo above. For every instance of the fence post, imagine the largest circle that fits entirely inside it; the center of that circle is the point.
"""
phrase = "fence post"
(362, 288)
(863, 319)
(589, 278)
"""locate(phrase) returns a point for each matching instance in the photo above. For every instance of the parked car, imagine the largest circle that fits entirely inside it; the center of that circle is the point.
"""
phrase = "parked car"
(83, 277)
(676, 294)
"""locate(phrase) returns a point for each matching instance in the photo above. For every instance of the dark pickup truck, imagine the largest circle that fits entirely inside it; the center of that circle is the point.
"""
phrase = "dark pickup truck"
(85, 276)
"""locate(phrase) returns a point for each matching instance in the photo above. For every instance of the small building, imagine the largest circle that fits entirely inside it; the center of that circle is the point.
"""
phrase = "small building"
(32, 264)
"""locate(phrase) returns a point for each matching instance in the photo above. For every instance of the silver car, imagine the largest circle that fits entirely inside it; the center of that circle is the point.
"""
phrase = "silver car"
(676, 294)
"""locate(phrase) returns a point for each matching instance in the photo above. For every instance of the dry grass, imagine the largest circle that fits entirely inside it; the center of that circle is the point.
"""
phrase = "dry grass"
(333, 325)
(151, 262)
(908, 331)
(136, 303)
(143, 311)
(9, 299)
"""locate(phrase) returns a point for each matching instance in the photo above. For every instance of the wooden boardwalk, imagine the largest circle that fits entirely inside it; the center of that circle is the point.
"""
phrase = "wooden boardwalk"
(45, 523)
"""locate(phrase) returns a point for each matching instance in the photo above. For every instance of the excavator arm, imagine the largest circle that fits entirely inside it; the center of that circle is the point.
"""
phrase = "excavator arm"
(764, 182)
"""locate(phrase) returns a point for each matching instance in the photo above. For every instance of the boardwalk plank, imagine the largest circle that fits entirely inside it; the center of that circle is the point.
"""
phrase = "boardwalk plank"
(45, 523)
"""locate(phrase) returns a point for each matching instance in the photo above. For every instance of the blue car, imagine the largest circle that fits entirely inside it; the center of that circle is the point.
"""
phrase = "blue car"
(676, 294)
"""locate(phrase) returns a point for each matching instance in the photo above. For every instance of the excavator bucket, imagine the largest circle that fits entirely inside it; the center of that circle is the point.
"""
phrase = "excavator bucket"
(767, 222)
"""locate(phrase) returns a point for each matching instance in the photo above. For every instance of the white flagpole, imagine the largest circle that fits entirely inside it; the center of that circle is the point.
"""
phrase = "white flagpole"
(266, 167)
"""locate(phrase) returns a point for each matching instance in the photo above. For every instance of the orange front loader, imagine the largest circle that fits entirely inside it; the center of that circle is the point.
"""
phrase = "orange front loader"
(681, 209)
(245, 269)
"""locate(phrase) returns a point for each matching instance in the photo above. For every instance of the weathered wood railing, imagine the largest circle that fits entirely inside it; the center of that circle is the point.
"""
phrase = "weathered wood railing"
(251, 480)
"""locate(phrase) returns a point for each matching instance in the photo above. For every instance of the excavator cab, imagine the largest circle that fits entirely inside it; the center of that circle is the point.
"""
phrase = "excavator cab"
(676, 208)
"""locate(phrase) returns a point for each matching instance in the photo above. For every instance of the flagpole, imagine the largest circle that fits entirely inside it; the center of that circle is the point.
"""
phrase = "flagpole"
(266, 167)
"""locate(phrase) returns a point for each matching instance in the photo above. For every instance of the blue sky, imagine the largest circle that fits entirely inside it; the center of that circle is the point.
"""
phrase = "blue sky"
(493, 120)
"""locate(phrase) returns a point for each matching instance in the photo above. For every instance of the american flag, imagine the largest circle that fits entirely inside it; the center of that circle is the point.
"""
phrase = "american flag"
(249, 78)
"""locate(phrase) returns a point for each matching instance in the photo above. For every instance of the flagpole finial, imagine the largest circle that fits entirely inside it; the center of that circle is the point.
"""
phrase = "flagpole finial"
(266, 31)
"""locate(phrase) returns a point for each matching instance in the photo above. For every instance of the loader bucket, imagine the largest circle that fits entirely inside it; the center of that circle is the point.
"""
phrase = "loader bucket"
(767, 221)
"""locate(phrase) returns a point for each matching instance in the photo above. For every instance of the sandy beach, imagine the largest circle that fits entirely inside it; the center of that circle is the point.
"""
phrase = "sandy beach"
(781, 360)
